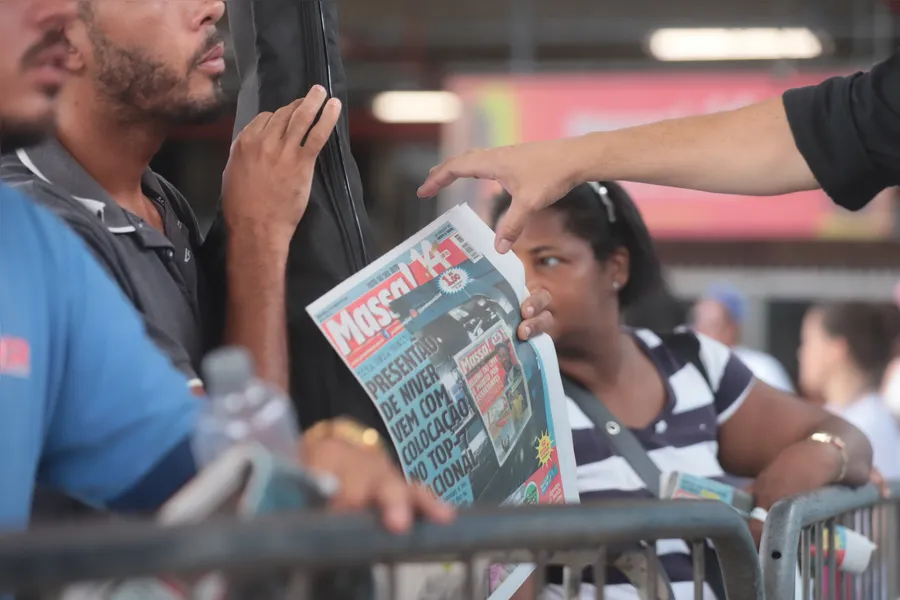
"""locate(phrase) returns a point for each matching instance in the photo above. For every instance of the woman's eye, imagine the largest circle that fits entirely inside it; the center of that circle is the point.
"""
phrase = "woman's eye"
(548, 261)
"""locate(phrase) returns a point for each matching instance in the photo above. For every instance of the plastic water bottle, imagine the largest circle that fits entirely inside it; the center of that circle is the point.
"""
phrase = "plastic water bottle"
(240, 408)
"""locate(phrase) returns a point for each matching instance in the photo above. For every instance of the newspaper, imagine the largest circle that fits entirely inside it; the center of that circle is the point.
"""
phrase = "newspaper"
(475, 414)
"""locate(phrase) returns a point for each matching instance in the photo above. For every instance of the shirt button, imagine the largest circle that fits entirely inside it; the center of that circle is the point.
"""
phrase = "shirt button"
(170, 253)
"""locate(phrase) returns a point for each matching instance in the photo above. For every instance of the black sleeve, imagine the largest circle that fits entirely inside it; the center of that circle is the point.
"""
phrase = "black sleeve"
(848, 130)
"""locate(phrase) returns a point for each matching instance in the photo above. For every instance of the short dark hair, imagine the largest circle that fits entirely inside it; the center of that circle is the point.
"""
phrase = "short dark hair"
(607, 228)
(871, 331)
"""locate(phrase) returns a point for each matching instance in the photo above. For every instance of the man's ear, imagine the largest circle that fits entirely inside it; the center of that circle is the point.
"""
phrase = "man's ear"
(76, 40)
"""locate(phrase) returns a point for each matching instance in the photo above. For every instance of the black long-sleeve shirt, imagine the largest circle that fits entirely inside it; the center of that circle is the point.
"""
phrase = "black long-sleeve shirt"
(848, 130)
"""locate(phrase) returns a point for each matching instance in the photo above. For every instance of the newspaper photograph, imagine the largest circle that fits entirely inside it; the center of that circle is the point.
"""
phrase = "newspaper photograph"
(477, 415)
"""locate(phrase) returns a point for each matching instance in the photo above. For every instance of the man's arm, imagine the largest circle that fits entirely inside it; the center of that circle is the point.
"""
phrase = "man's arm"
(746, 151)
(121, 419)
(840, 135)
(265, 192)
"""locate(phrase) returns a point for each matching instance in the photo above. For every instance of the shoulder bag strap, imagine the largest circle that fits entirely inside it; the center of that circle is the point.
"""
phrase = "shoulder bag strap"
(628, 447)
(619, 437)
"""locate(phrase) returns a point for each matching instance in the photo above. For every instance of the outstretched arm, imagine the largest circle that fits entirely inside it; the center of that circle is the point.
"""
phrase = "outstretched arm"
(838, 135)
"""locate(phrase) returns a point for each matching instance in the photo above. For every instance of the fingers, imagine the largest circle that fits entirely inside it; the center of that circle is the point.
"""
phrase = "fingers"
(254, 126)
(322, 130)
(394, 497)
(879, 481)
(537, 302)
(431, 507)
(303, 117)
(278, 122)
(537, 319)
(511, 224)
(534, 327)
(473, 164)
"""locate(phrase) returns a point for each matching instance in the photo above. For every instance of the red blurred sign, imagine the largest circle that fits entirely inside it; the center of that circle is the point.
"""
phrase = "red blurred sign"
(505, 110)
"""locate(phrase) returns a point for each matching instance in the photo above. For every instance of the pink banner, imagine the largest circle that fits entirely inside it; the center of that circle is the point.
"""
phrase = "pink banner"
(506, 110)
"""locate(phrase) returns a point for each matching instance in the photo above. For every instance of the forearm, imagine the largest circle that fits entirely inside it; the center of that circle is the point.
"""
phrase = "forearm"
(256, 311)
(857, 448)
(746, 151)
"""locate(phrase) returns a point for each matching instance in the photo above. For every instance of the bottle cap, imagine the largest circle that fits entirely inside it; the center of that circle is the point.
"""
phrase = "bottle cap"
(227, 370)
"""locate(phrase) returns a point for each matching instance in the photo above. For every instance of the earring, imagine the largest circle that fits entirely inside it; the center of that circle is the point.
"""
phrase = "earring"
(616, 285)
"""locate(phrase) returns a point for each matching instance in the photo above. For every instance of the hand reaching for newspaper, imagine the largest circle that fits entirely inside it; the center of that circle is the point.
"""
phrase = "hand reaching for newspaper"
(367, 476)
(536, 318)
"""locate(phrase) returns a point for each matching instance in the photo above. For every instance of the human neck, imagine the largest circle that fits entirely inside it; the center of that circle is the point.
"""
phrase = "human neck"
(596, 362)
(113, 151)
(845, 387)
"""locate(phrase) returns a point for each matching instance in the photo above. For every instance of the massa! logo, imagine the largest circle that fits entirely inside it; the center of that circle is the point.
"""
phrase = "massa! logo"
(15, 356)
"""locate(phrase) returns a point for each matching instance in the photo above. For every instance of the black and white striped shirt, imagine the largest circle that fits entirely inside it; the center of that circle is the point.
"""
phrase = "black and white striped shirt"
(684, 437)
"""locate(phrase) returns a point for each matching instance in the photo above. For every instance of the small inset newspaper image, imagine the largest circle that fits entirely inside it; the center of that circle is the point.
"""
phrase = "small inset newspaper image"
(496, 381)
(475, 414)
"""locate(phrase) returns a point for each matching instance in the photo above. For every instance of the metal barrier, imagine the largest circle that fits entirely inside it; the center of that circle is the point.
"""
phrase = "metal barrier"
(797, 528)
(312, 542)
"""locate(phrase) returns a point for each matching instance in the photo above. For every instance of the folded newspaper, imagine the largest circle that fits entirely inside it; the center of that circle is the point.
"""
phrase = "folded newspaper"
(477, 415)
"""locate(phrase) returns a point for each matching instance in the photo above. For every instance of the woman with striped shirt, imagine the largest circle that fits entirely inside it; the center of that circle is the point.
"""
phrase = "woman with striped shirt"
(702, 414)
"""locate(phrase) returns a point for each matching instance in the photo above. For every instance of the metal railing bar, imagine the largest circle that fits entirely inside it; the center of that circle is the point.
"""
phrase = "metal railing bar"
(317, 540)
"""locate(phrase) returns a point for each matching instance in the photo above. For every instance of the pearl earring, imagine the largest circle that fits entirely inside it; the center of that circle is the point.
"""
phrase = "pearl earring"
(616, 285)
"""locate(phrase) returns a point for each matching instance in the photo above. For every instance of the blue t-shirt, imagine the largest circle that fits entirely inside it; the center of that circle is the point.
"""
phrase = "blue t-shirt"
(88, 405)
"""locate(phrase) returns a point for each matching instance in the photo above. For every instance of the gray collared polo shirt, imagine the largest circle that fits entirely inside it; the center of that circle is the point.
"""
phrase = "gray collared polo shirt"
(156, 269)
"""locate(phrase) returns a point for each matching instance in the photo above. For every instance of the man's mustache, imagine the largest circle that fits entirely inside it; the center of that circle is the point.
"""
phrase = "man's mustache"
(32, 56)
(213, 40)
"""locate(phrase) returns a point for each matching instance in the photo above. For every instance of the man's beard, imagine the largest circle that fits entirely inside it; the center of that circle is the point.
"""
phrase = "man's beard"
(141, 88)
(14, 135)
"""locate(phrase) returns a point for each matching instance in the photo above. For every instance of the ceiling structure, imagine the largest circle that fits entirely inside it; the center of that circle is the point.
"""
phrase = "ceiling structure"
(414, 44)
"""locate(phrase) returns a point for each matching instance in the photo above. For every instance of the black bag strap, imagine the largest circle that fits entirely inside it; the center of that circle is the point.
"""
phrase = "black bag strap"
(686, 348)
(619, 437)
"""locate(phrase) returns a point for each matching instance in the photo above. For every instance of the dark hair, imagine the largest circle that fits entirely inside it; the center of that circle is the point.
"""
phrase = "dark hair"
(607, 228)
(659, 311)
(871, 331)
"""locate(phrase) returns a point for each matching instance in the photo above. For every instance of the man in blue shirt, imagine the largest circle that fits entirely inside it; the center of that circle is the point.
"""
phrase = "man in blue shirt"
(88, 405)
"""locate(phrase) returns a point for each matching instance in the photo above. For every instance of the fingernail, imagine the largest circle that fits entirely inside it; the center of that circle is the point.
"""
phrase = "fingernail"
(527, 332)
(529, 311)
(335, 102)
(503, 246)
(318, 89)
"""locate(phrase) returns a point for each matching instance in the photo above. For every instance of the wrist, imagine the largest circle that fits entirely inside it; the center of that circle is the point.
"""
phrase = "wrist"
(586, 157)
(346, 430)
(837, 451)
(252, 237)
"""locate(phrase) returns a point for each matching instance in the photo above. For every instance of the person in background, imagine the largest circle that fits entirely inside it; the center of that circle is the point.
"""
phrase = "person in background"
(890, 384)
(844, 350)
(90, 406)
(720, 314)
(593, 253)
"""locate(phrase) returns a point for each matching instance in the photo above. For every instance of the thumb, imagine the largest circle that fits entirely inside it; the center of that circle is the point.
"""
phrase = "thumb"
(510, 226)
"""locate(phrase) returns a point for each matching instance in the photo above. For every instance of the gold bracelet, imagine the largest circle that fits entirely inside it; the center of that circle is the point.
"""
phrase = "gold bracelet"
(822, 437)
(347, 430)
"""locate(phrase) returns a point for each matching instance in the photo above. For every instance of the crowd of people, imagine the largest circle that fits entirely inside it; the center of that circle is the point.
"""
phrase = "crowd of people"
(106, 310)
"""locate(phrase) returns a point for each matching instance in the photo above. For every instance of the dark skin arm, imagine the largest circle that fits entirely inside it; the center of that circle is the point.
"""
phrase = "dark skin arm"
(768, 439)
(772, 427)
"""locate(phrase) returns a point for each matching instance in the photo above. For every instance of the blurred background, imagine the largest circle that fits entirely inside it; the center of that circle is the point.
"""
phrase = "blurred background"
(430, 77)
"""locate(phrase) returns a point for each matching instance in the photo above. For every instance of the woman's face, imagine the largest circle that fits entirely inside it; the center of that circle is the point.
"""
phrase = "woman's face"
(818, 354)
(584, 298)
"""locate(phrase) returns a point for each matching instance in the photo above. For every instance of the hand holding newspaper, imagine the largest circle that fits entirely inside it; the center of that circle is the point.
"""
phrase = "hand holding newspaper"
(474, 413)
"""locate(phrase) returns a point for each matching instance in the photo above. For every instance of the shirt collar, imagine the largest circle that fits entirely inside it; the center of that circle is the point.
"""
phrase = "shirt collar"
(53, 164)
